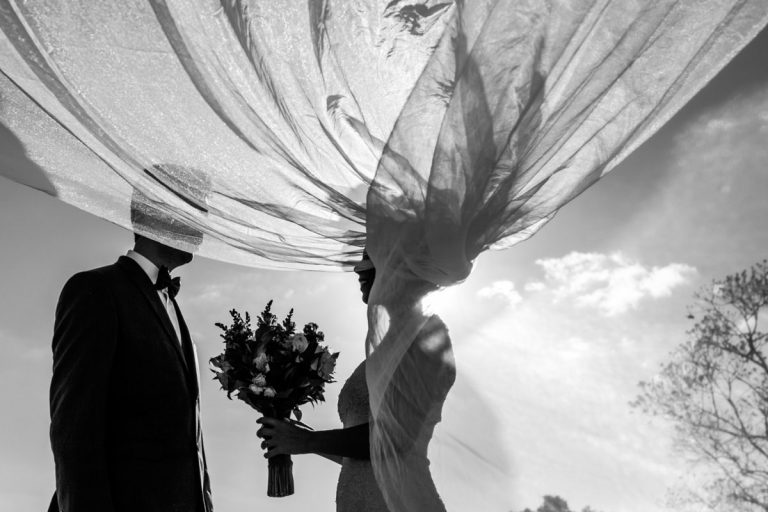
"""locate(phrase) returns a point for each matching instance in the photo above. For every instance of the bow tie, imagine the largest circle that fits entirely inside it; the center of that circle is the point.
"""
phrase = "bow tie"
(164, 281)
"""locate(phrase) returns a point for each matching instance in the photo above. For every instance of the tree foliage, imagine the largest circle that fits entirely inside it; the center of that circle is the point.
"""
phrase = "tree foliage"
(556, 504)
(715, 391)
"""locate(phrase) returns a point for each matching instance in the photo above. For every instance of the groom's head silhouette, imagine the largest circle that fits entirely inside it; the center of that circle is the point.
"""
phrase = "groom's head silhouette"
(156, 226)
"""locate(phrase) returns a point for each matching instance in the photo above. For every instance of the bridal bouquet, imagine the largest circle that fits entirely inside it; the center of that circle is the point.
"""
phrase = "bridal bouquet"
(275, 370)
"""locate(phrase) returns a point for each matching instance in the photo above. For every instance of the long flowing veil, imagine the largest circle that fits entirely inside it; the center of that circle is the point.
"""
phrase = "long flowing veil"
(292, 134)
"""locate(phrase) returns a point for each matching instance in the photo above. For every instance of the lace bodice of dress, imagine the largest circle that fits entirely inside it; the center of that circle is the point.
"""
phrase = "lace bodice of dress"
(357, 489)
(353, 399)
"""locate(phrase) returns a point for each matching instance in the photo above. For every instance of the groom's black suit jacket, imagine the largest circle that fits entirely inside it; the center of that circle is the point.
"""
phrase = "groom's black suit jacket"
(125, 425)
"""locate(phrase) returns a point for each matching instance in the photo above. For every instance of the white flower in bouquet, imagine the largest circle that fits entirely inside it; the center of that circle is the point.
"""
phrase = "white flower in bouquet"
(259, 380)
(325, 364)
(261, 362)
(256, 390)
(269, 392)
(298, 342)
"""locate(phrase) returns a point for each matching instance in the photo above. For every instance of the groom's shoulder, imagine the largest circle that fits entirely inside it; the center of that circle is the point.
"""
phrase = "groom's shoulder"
(94, 280)
(88, 291)
(100, 273)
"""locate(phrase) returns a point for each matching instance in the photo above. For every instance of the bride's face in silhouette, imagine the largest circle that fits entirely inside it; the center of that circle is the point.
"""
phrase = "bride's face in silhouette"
(365, 278)
(366, 273)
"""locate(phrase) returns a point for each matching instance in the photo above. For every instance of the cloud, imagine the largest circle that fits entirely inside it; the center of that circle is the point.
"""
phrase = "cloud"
(613, 284)
(743, 112)
(502, 289)
(210, 293)
(721, 141)
(610, 283)
(716, 126)
(535, 286)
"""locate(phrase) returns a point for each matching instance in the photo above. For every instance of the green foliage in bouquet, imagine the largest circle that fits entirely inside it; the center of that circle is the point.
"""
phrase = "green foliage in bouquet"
(273, 369)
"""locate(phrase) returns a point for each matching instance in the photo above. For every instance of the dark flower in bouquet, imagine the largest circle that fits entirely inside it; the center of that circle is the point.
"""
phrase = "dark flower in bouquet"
(275, 370)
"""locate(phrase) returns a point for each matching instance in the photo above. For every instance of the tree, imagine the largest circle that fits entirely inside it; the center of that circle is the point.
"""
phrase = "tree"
(715, 391)
(556, 504)
(553, 504)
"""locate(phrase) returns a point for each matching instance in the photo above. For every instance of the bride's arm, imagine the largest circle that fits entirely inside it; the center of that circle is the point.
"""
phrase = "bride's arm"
(334, 458)
(283, 437)
(344, 442)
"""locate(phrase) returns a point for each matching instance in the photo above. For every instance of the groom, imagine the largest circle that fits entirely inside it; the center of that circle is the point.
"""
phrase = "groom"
(125, 418)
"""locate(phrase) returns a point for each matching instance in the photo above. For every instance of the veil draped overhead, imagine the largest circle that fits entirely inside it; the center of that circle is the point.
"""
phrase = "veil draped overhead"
(294, 133)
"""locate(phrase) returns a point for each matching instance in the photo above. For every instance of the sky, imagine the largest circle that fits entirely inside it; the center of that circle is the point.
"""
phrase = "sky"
(551, 336)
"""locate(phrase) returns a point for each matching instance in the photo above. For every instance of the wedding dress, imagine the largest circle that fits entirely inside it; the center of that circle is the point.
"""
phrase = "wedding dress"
(357, 489)
(415, 405)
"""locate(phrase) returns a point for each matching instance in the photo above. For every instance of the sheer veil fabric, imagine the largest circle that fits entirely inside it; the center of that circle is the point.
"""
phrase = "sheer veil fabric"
(294, 133)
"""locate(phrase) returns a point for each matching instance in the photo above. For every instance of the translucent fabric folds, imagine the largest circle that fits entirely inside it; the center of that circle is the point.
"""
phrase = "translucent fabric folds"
(290, 134)
(521, 107)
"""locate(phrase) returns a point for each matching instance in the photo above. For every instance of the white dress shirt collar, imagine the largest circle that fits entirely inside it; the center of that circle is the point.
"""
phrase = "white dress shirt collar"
(147, 266)
(152, 271)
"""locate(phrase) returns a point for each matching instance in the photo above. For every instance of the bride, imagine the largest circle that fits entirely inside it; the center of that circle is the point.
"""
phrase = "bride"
(350, 446)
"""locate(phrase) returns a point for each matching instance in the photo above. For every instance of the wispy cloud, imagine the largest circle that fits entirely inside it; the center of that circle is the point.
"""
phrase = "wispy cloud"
(741, 112)
(613, 284)
(211, 293)
(721, 140)
(610, 283)
(501, 289)
(535, 286)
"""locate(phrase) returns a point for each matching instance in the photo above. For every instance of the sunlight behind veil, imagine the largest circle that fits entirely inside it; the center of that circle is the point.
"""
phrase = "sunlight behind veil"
(293, 133)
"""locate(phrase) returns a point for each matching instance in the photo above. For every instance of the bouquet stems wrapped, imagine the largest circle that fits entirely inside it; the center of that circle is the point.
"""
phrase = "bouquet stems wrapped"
(280, 468)
(280, 481)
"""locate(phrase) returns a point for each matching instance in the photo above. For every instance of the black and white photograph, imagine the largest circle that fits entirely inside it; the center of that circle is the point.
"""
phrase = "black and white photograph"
(384, 255)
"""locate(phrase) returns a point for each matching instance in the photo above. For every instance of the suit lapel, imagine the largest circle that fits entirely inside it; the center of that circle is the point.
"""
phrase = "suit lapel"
(187, 345)
(140, 279)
